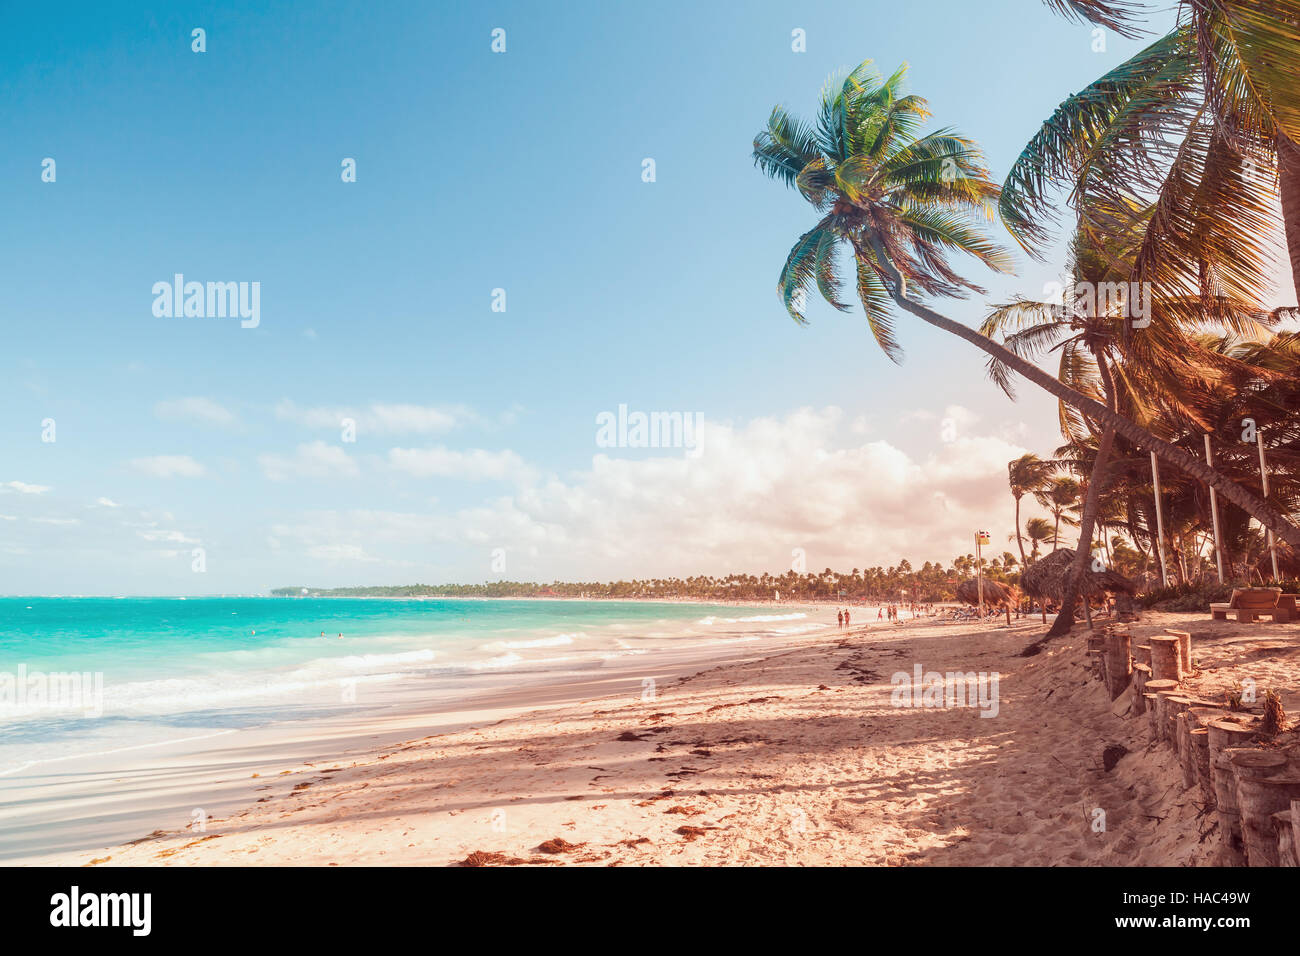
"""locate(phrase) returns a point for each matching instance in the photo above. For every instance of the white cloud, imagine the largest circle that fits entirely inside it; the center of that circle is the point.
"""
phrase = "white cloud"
(339, 552)
(170, 537)
(380, 418)
(107, 503)
(168, 466)
(758, 491)
(475, 464)
(196, 409)
(313, 460)
(25, 489)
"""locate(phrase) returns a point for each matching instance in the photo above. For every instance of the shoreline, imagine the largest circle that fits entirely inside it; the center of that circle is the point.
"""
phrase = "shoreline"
(53, 810)
(780, 752)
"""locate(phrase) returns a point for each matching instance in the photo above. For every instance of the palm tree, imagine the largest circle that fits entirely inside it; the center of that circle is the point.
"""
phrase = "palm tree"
(1026, 475)
(1155, 378)
(1037, 530)
(1206, 119)
(903, 203)
(1060, 497)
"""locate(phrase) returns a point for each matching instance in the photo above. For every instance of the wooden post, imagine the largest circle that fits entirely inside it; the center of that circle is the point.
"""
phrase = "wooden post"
(1165, 659)
(1263, 477)
(1154, 690)
(1286, 853)
(1184, 650)
(1295, 827)
(1264, 786)
(1200, 742)
(1170, 704)
(1214, 510)
(1119, 662)
(1225, 735)
(1201, 718)
(1160, 520)
(1141, 674)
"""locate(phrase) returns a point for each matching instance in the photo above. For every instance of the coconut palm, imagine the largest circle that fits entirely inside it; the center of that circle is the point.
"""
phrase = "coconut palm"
(903, 204)
(1156, 377)
(1061, 496)
(1026, 475)
(1206, 120)
(1037, 530)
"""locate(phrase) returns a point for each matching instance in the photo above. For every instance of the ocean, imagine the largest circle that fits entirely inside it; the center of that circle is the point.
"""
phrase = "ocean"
(89, 676)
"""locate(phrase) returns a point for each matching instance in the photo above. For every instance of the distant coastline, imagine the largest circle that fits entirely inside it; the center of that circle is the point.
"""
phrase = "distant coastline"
(931, 583)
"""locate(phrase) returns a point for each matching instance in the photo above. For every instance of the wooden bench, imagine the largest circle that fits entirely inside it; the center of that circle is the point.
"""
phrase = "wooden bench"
(1250, 604)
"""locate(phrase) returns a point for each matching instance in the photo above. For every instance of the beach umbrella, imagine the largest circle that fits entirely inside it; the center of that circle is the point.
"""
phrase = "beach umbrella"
(995, 593)
(1045, 579)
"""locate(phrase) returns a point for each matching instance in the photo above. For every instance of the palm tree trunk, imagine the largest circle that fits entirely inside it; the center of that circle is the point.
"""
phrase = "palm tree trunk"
(1288, 163)
(1019, 540)
(1091, 505)
(1260, 510)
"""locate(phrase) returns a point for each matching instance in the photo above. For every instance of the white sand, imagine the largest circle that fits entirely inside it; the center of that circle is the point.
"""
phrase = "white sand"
(794, 756)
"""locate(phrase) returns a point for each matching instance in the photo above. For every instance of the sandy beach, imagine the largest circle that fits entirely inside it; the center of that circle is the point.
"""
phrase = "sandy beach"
(790, 755)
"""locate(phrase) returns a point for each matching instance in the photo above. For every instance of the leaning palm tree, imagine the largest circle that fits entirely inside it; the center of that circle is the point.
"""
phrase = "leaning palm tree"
(902, 204)
(1026, 475)
(1157, 377)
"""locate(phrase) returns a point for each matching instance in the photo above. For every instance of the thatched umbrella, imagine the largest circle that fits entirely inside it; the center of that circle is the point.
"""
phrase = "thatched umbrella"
(1045, 580)
(996, 594)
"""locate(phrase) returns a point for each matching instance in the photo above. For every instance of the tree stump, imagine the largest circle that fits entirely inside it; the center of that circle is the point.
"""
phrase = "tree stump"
(1141, 674)
(1186, 755)
(1166, 659)
(1119, 663)
(1199, 734)
(1184, 650)
(1286, 852)
(1200, 743)
(1226, 734)
(1154, 688)
(1167, 708)
(1265, 785)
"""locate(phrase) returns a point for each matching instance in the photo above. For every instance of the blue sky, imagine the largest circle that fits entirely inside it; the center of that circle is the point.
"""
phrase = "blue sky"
(475, 171)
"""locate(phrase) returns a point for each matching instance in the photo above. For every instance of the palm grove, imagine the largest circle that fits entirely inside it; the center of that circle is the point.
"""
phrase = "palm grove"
(1169, 171)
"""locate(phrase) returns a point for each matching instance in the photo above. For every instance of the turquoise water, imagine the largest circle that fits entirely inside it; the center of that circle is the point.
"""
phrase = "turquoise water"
(155, 669)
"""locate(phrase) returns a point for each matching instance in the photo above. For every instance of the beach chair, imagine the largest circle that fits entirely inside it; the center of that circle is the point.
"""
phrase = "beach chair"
(1249, 604)
(1286, 608)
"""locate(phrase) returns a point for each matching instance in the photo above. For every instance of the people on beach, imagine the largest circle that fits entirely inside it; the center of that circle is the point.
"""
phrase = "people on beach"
(839, 619)
(846, 617)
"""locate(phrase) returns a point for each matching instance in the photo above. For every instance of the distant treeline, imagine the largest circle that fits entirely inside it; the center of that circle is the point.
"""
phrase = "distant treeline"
(930, 583)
